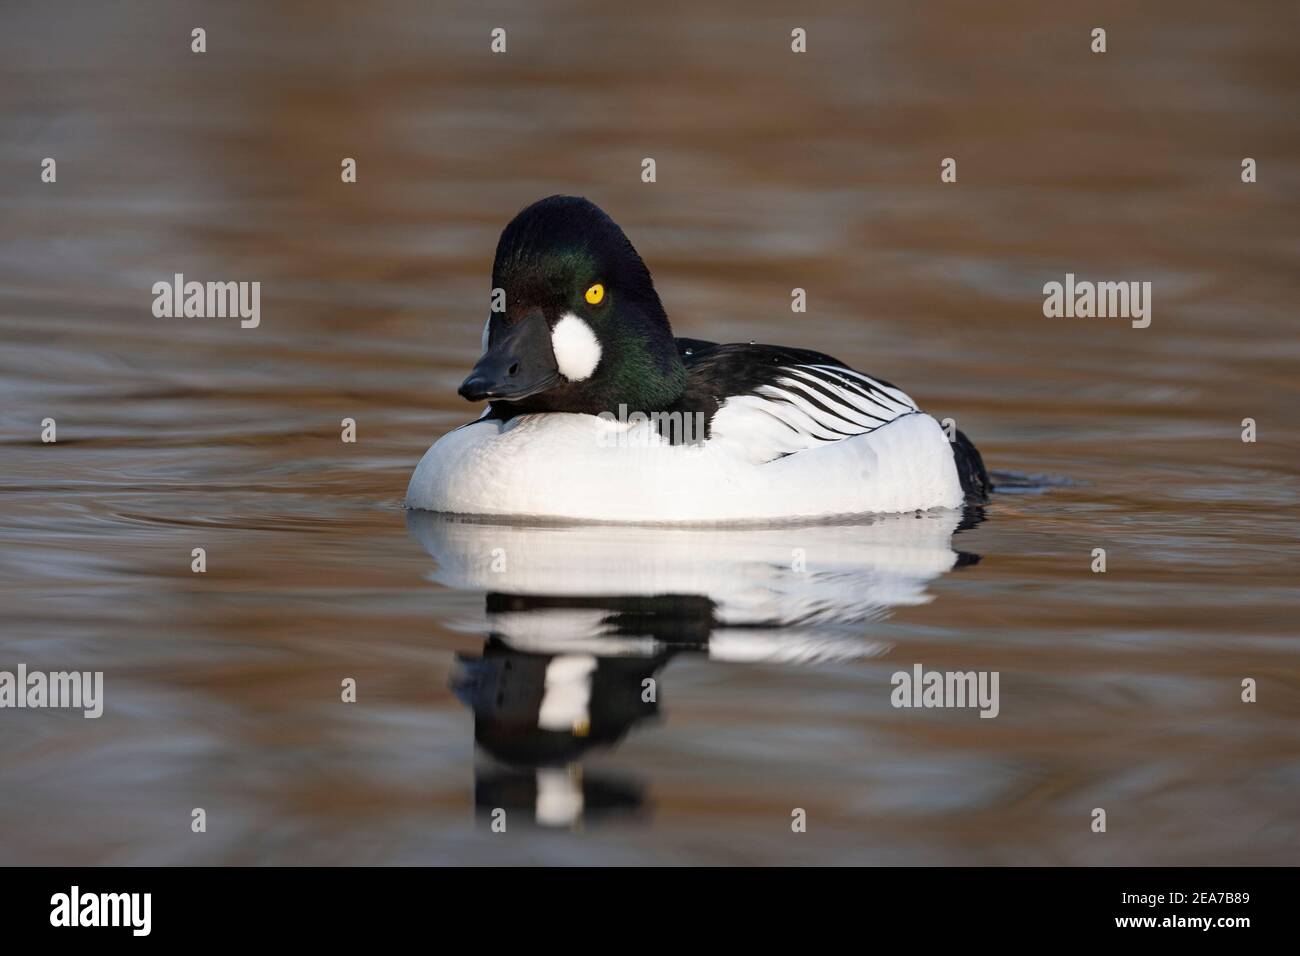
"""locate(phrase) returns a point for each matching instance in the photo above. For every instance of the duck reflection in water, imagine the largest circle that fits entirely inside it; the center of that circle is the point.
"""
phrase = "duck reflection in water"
(581, 619)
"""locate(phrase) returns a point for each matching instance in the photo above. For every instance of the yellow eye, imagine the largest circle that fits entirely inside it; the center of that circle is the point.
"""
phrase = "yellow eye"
(596, 294)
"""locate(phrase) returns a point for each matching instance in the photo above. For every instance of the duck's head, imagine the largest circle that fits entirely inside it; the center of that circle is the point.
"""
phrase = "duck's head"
(582, 329)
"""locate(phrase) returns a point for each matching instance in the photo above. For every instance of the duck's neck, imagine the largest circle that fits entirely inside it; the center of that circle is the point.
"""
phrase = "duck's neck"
(647, 374)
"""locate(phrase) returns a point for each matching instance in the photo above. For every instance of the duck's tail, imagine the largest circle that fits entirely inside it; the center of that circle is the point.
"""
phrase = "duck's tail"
(970, 469)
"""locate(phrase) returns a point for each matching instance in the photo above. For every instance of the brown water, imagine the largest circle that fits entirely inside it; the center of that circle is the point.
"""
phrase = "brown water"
(1119, 690)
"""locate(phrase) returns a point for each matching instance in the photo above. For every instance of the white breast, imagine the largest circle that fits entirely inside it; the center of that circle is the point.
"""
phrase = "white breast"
(563, 465)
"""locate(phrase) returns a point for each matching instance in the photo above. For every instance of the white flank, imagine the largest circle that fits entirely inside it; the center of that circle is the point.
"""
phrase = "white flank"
(564, 465)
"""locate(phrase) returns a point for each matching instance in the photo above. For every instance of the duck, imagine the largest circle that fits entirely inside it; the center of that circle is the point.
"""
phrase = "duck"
(597, 412)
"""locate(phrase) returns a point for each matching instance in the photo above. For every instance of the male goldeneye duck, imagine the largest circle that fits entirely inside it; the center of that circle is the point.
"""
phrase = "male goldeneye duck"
(596, 412)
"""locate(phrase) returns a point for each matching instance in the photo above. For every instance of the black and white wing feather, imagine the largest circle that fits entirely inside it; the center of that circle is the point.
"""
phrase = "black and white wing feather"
(767, 401)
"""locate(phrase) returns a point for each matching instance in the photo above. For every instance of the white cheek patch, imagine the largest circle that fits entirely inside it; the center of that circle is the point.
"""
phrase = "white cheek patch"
(577, 350)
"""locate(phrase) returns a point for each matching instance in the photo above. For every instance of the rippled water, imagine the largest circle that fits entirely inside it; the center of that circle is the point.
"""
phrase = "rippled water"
(1118, 690)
